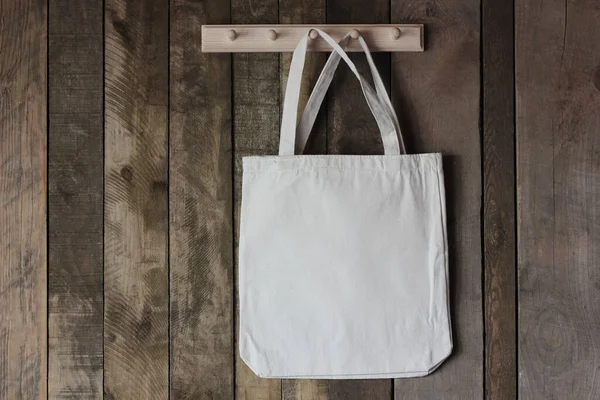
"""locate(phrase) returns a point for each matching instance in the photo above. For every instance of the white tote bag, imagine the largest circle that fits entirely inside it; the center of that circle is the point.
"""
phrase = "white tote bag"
(343, 260)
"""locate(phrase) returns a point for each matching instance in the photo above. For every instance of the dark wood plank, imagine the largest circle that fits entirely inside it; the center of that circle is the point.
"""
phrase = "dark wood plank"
(361, 389)
(201, 241)
(256, 107)
(437, 95)
(136, 291)
(75, 176)
(305, 389)
(305, 12)
(23, 84)
(499, 199)
(351, 129)
(558, 133)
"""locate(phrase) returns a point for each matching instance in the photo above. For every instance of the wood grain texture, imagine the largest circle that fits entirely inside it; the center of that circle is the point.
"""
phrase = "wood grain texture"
(558, 149)
(136, 288)
(305, 12)
(305, 389)
(23, 84)
(437, 94)
(256, 109)
(351, 129)
(23, 200)
(499, 199)
(360, 389)
(201, 229)
(75, 176)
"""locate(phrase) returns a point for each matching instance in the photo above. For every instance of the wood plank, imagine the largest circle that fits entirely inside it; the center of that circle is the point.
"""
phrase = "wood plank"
(305, 389)
(75, 176)
(136, 200)
(201, 244)
(256, 107)
(361, 389)
(558, 142)
(351, 129)
(305, 12)
(499, 199)
(437, 96)
(23, 84)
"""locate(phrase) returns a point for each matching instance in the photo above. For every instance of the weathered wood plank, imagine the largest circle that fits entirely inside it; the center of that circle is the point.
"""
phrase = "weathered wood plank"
(136, 195)
(75, 176)
(256, 107)
(437, 95)
(305, 389)
(361, 389)
(351, 129)
(305, 12)
(558, 142)
(201, 241)
(23, 162)
(499, 199)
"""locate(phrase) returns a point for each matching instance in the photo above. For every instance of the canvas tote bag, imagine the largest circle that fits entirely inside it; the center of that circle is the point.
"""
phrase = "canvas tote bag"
(343, 260)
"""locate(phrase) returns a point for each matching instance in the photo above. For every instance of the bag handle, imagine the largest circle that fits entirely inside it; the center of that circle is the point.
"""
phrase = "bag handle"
(293, 139)
(317, 96)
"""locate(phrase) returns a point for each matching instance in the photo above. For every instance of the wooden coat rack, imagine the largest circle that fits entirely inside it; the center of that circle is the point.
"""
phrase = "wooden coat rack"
(284, 38)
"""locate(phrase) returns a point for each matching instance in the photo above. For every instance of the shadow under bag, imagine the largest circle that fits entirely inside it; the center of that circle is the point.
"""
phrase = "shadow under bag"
(343, 259)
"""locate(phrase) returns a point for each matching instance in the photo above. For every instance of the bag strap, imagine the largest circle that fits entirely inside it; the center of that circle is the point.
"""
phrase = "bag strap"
(316, 98)
(293, 139)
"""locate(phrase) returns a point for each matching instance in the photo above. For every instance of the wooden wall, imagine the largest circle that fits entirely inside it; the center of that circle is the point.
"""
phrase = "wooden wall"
(558, 191)
(120, 178)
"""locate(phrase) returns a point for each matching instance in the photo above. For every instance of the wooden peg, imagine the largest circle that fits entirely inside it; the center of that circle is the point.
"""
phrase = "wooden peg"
(354, 33)
(313, 34)
(231, 35)
(272, 34)
(396, 33)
